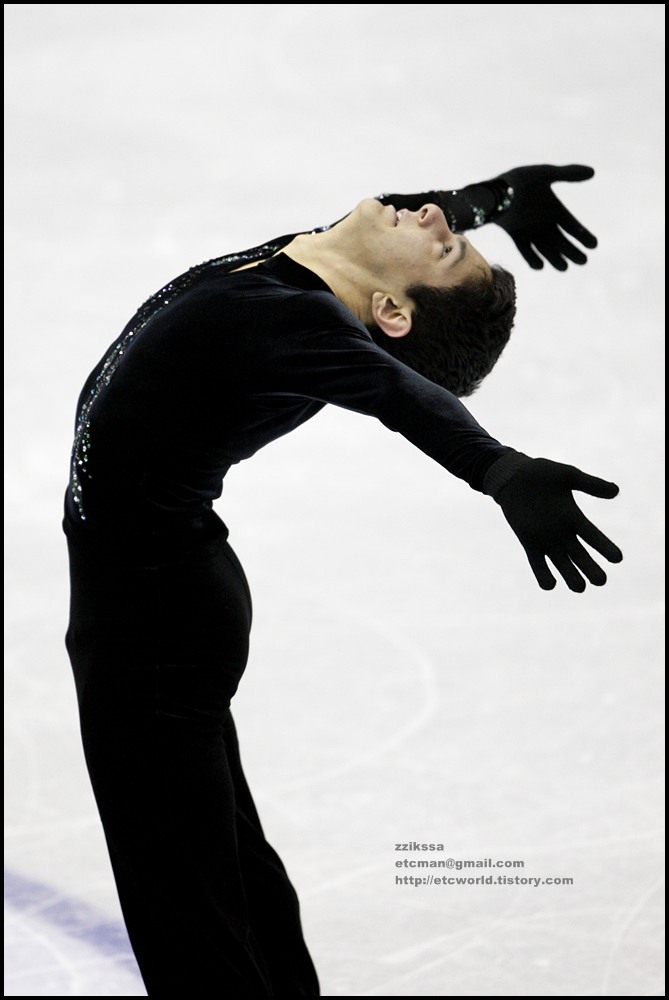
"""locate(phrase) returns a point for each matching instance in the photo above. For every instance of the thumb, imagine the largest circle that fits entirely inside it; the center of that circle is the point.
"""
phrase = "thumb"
(593, 485)
(574, 172)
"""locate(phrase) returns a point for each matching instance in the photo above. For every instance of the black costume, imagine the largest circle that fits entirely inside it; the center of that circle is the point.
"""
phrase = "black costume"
(210, 369)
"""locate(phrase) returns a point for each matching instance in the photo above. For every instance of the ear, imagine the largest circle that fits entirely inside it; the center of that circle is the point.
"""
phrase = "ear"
(393, 319)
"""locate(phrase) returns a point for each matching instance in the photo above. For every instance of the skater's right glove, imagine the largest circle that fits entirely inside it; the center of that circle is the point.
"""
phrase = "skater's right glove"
(535, 495)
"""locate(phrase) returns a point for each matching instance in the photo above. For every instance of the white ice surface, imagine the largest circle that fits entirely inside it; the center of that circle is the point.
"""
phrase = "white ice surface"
(408, 680)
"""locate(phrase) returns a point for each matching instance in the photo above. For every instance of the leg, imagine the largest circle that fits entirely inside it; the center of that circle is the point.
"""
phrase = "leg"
(157, 653)
(274, 910)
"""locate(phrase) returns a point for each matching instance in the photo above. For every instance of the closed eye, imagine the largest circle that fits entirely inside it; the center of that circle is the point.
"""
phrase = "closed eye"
(447, 247)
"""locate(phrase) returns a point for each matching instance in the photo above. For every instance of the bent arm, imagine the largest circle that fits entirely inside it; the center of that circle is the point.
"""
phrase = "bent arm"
(521, 201)
(466, 208)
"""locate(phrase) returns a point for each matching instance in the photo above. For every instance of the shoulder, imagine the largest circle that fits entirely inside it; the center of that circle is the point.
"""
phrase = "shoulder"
(322, 310)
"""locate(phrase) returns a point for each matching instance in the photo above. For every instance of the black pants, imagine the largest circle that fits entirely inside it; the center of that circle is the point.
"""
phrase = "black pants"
(158, 647)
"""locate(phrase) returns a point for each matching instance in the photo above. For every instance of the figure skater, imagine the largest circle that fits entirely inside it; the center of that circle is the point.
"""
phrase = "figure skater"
(390, 312)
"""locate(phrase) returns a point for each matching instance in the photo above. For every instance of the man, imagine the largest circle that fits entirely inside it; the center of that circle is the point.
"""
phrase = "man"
(390, 312)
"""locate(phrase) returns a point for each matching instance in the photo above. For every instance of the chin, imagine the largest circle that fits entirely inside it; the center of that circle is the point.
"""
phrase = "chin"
(369, 206)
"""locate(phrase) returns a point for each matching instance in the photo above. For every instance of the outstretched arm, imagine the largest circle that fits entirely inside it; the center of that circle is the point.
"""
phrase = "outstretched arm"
(520, 201)
(343, 366)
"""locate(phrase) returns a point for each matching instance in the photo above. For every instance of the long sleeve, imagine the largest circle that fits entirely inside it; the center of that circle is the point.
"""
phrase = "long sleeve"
(340, 364)
(430, 417)
(466, 208)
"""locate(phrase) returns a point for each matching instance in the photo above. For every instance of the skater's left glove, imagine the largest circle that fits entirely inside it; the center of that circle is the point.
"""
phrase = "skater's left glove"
(535, 495)
(536, 220)
(522, 203)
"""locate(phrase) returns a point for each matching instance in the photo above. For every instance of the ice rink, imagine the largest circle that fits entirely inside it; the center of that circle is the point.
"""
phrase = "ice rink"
(408, 680)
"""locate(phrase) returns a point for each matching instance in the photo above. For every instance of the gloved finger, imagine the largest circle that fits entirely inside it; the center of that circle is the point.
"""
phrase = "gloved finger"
(567, 570)
(569, 251)
(580, 556)
(591, 534)
(596, 487)
(528, 253)
(574, 172)
(555, 247)
(573, 227)
(551, 254)
(545, 578)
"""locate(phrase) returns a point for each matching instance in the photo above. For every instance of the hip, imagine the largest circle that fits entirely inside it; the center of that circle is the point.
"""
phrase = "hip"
(161, 594)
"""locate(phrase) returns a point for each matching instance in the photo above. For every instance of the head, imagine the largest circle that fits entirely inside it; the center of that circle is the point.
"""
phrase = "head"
(444, 311)
(456, 334)
(424, 293)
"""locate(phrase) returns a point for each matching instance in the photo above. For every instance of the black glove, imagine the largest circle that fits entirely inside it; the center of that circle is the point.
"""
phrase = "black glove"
(535, 495)
(535, 213)
(521, 202)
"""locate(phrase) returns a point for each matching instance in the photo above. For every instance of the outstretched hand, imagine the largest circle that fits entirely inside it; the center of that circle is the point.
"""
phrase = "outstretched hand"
(537, 220)
(535, 495)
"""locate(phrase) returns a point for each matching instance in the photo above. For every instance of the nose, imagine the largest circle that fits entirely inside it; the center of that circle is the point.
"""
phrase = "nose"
(430, 215)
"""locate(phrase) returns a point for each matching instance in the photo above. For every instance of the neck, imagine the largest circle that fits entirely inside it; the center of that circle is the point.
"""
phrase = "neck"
(329, 255)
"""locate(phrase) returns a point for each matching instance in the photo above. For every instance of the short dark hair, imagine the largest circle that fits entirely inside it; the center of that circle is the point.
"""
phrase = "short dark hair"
(457, 334)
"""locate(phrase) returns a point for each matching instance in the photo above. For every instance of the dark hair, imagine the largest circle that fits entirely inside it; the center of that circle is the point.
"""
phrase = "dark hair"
(457, 334)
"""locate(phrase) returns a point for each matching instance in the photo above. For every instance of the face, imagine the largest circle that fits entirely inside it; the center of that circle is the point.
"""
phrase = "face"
(406, 248)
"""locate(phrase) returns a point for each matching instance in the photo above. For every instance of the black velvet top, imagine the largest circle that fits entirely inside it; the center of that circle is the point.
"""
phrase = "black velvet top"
(221, 362)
